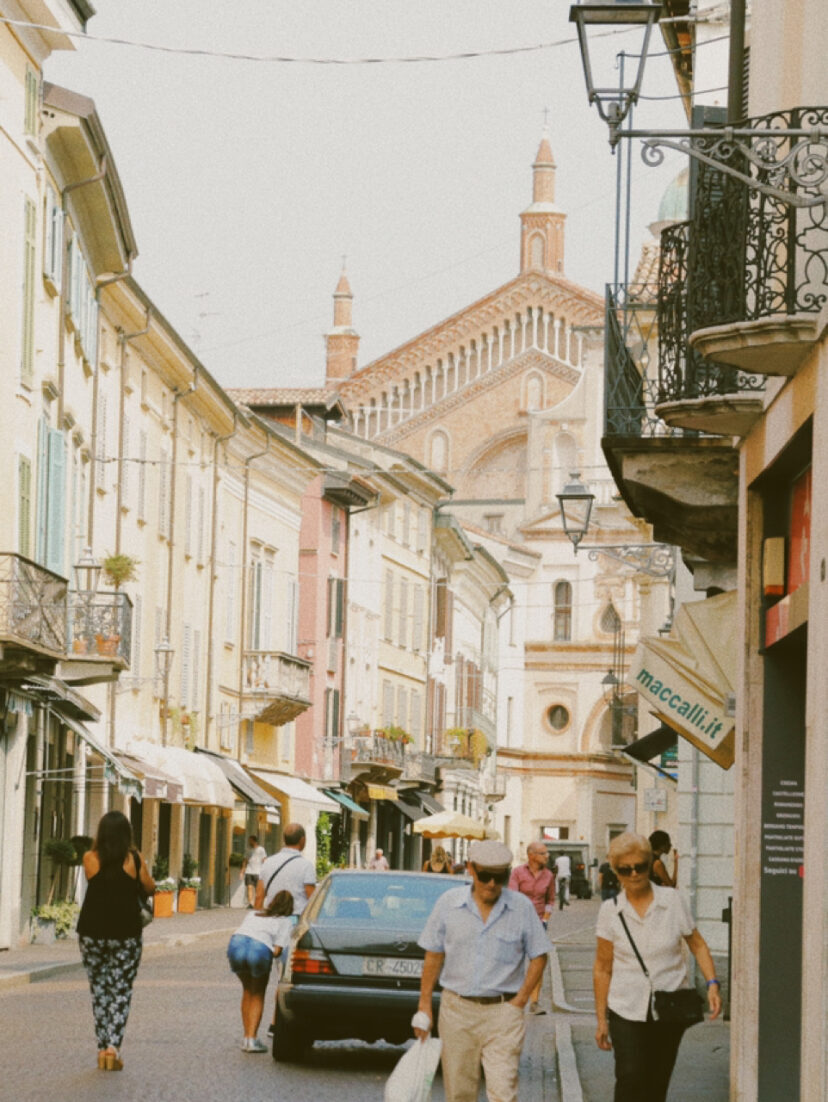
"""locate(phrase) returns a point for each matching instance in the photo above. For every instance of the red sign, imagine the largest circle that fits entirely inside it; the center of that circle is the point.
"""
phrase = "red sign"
(800, 531)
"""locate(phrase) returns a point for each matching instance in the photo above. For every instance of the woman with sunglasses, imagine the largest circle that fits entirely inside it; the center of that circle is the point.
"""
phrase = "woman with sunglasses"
(659, 921)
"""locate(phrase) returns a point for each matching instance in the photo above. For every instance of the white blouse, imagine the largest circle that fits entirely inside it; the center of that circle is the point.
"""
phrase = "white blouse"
(659, 937)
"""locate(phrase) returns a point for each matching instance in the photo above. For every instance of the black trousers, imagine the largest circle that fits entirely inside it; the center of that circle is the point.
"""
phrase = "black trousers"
(645, 1053)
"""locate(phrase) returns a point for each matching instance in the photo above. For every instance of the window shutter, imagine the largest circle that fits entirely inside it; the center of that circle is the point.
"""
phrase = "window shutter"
(441, 590)
(335, 715)
(387, 703)
(202, 501)
(417, 629)
(406, 533)
(30, 105)
(340, 607)
(163, 494)
(402, 707)
(422, 530)
(24, 506)
(100, 447)
(293, 606)
(188, 517)
(56, 507)
(196, 687)
(137, 611)
(27, 337)
(449, 632)
(402, 629)
(415, 718)
(41, 502)
(266, 633)
(230, 595)
(53, 245)
(126, 463)
(186, 661)
(389, 606)
(142, 475)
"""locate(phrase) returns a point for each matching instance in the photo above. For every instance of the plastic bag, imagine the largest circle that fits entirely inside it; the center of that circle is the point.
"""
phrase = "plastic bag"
(411, 1079)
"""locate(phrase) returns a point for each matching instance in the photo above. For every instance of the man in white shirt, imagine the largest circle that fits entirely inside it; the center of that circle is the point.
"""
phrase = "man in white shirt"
(251, 867)
(287, 870)
(379, 862)
(563, 872)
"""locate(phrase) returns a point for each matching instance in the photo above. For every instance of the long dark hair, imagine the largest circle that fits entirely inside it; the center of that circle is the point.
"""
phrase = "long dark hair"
(281, 906)
(113, 840)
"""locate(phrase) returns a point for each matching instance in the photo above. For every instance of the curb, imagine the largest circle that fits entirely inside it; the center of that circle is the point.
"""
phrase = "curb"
(40, 972)
(558, 992)
(567, 1065)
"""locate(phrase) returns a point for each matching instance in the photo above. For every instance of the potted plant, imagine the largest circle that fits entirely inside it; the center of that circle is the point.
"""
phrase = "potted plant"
(120, 568)
(188, 885)
(52, 921)
(164, 888)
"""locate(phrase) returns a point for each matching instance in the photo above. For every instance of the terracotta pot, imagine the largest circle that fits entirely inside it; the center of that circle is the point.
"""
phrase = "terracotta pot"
(79, 646)
(187, 901)
(108, 645)
(162, 904)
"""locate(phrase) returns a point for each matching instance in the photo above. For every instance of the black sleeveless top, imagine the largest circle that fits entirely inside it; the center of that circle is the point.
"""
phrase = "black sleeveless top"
(110, 907)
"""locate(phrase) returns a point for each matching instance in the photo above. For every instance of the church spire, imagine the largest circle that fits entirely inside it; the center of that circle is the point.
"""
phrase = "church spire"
(542, 224)
(342, 341)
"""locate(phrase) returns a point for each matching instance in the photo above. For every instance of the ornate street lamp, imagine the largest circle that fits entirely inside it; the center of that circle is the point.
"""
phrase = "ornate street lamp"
(576, 503)
(87, 573)
(614, 102)
(163, 659)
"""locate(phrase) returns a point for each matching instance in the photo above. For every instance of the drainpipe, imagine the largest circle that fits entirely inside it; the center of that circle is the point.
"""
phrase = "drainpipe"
(208, 686)
(179, 394)
(736, 63)
(247, 462)
(693, 887)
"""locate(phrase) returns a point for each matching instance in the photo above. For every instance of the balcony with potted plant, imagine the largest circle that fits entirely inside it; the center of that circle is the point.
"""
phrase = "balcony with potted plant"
(99, 623)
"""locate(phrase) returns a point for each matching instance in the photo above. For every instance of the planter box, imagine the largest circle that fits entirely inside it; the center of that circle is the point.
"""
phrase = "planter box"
(162, 906)
(187, 901)
(43, 931)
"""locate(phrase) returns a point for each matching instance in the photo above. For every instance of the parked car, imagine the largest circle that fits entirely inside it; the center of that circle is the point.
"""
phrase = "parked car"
(353, 967)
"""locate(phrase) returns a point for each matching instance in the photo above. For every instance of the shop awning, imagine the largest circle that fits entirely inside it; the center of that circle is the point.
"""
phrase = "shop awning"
(381, 792)
(294, 788)
(652, 745)
(349, 804)
(411, 811)
(244, 784)
(56, 693)
(157, 785)
(114, 770)
(688, 678)
(203, 782)
(431, 805)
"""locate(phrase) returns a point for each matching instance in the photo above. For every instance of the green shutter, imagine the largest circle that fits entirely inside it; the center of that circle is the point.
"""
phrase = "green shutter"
(24, 506)
(27, 336)
(42, 499)
(31, 102)
(56, 503)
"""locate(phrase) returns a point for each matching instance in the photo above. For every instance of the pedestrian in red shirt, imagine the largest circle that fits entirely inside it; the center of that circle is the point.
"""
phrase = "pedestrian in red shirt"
(535, 881)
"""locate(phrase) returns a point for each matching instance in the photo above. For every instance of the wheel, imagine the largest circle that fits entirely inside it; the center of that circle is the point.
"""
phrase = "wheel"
(290, 1045)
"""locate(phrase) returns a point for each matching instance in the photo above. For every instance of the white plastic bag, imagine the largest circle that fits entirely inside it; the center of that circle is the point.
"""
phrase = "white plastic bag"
(411, 1079)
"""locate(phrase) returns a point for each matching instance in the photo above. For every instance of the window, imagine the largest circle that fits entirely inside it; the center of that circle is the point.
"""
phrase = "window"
(135, 662)
(388, 611)
(291, 642)
(188, 518)
(406, 526)
(260, 599)
(418, 618)
(30, 106)
(391, 520)
(536, 251)
(332, 714)
(387, 703)
(230, 593)
(336, 607)
(562, 632)
(186, 661)
(248, 736)
(402, 623)
(51, 497)
(196, 669)
(415, 715)
(610, 620)
(24, 506)
(422, 530)
(402, 707)
(439, 452)
(164, 494)
(510, 710)
(201, 517)
(557, 717)
(142, 476)
(27, 337)
(53, 242)
(443, 615)
(336, 530)
(125, 464)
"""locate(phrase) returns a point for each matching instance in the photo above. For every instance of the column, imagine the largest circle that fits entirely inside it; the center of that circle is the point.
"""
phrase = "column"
(557, 351)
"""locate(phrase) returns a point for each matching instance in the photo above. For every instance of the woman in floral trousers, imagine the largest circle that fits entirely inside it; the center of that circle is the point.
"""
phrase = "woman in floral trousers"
(109, 931)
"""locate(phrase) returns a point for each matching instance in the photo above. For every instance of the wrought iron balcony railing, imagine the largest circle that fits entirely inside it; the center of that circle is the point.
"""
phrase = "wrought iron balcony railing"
(375, 750)
(281, 682)
(475, 720)
(32, 605)
(682, 372)
(418, 766)
(99, 625)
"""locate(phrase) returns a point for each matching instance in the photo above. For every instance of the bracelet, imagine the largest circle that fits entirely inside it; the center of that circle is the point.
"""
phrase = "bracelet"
(714, 980)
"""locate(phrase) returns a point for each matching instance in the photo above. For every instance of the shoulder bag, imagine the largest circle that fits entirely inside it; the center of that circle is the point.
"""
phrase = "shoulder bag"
(145, 908)
(682, 1007)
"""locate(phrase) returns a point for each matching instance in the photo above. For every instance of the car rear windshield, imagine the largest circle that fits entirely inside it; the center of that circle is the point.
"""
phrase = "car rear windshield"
(384, 898)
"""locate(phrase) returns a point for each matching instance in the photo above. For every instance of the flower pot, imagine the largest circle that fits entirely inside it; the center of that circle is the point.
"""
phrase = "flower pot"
(186, 901)
(162, 904)
(43, 931)
(79, 646)
(107, 645)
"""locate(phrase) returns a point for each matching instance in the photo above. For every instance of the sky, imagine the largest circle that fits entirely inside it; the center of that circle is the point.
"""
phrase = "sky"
(248, 182)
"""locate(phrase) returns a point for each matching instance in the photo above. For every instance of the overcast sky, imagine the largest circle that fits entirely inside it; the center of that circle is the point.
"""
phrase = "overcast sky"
(248, 181)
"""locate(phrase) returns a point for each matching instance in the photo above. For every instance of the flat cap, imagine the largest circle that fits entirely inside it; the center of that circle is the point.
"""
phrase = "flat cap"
(490, 855)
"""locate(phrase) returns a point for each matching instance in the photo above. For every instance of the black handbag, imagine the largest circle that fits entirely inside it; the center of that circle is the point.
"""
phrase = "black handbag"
(146, 911)
(684, 1006)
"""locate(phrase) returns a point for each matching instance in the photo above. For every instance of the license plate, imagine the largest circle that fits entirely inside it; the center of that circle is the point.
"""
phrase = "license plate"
(392, 966)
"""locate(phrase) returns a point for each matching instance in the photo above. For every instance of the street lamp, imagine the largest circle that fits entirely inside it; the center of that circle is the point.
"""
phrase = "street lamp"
(658, 560)
(789, 164)
(87, 571)
(614, 102)
(163, 658)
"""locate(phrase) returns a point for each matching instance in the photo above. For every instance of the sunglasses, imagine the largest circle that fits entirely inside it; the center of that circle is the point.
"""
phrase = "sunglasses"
(486, 876)
(628, 870)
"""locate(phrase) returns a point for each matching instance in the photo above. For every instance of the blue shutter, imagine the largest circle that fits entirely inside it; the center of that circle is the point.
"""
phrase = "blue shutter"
(42, 489)
(56, 505)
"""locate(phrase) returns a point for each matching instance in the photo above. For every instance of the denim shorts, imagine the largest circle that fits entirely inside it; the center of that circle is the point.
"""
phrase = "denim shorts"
(249, 957)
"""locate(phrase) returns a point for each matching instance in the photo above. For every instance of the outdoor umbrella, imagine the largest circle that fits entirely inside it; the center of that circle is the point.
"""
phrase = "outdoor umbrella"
(451, 824)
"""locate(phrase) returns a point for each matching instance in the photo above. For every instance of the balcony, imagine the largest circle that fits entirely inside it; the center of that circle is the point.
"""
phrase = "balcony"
(695, 393)
(684, 483)
(32, 616)
(494, 787)
(99, 630)
(278, 684)
(475, 720)
(760, 265)
(419, 767)
(372, 758)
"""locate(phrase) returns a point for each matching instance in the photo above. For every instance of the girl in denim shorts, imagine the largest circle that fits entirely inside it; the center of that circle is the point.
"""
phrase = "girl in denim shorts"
(262, 936)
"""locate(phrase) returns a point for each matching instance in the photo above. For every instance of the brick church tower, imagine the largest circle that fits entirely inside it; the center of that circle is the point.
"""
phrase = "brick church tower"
(542, 223)
(342, 341)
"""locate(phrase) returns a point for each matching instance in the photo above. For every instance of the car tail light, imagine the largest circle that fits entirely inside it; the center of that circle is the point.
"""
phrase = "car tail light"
(311, 962)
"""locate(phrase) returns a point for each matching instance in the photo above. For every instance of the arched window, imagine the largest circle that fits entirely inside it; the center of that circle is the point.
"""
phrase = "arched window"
(534, 392)
(536, 251)
(610, 620)
(562, 628)
(439, 452)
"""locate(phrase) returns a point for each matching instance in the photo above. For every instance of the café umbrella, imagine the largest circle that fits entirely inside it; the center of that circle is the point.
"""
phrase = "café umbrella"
(452, 824)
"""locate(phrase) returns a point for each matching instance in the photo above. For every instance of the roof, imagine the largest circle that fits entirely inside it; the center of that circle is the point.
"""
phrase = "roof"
(285, 396)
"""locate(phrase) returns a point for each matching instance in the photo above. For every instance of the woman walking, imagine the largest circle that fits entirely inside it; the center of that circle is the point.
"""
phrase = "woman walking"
(261, 937)
(109, 930)
(658, 921)
(439, 861)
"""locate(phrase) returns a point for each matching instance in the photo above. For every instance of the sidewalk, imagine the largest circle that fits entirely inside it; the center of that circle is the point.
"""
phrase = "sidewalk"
(586, 1073)
(30, 963)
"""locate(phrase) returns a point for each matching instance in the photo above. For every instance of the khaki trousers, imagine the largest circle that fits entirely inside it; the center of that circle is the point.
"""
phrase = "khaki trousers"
(475, 1034)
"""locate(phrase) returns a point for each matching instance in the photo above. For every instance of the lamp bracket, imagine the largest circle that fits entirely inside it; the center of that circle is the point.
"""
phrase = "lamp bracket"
(658, 560)
(803, 165)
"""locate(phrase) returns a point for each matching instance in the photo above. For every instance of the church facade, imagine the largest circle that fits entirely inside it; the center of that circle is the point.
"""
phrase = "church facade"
(504, 400)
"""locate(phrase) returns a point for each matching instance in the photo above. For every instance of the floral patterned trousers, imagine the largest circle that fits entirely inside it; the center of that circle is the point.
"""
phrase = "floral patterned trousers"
(111, 964)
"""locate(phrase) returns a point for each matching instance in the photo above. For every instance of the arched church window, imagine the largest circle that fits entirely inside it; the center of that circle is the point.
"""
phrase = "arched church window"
(439, 452)
(610, 621)
(562, 604)
(534, 392)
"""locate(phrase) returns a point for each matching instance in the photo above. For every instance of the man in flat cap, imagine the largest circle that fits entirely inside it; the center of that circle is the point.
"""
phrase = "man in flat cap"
(488, 948)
